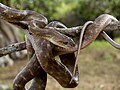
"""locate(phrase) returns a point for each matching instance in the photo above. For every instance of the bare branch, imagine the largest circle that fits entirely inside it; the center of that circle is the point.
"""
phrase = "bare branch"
(12, 48)
(76, 30)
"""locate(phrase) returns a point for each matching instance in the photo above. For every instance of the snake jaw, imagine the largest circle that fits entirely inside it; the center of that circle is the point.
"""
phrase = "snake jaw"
(61, 50)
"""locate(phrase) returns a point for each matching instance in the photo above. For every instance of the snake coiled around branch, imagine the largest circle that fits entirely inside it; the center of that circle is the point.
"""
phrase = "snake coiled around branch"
(44, 42)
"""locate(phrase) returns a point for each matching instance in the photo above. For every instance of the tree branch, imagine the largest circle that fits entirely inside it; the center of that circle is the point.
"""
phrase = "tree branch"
(12, 48)
(76, 30)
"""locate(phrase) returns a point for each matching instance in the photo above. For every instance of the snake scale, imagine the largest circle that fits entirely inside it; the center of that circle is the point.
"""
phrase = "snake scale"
(44, 43)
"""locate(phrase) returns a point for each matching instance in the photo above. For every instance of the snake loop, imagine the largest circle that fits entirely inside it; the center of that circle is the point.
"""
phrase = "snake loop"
(94, 30)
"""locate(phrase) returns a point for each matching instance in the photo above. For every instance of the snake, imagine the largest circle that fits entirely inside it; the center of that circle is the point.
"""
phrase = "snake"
(84, 30)
(36, 22)
(21, 17)
(82, 33)
(54, 67)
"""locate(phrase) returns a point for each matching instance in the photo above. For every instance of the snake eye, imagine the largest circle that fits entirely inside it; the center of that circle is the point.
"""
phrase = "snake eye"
(65, 42)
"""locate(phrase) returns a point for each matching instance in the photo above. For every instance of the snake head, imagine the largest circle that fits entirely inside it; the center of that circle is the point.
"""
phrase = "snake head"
(64, 41)
(51, 35)
(63, 44)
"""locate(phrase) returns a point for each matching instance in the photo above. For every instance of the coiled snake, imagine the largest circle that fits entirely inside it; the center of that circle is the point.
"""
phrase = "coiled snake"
(54, 68)
(54, 74)
(44, 43)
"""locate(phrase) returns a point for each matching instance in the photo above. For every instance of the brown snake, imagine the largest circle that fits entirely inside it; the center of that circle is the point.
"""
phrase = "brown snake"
(84, 28)
(37, 46)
